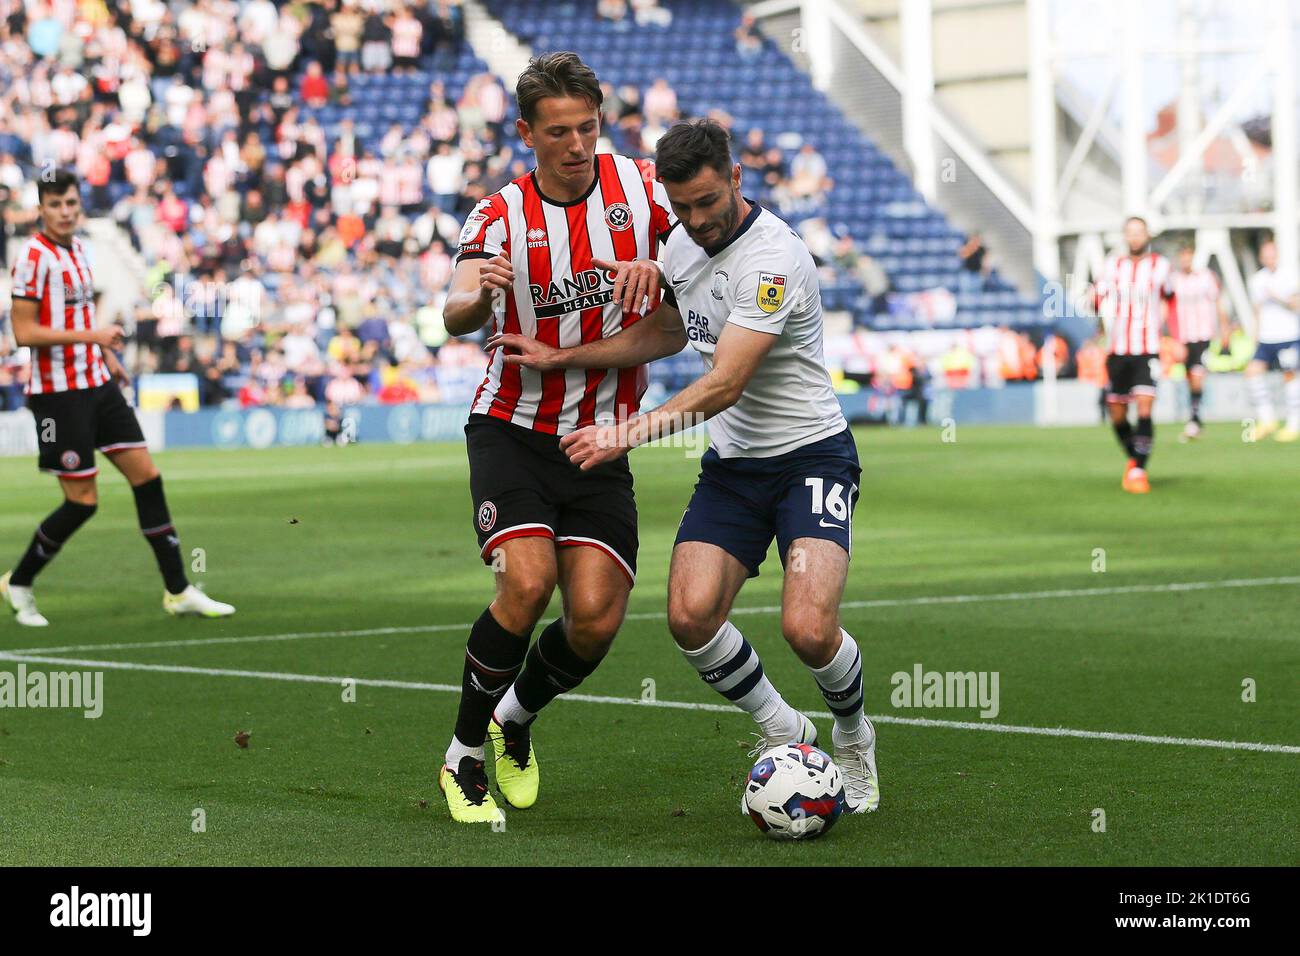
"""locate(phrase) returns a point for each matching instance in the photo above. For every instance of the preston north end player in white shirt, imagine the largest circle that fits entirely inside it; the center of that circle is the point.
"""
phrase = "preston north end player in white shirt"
(741, 287)
(1275, 293)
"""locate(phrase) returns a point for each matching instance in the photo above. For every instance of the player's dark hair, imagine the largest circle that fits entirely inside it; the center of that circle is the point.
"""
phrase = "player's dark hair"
(1138, 219)
(555, 74)
(57, 184)
(688, 147)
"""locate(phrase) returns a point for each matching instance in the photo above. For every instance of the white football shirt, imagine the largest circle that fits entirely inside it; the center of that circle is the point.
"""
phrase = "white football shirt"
(763, 278)
(1276, 323)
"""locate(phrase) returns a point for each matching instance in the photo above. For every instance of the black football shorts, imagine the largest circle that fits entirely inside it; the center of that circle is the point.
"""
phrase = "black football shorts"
(1130, 376)
(523, 485)
(72, 426)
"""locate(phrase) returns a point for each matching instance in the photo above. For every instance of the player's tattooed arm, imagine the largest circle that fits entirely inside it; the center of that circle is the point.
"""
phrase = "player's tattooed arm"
(28, 330)
(477, 286)
(657, 336)
(738, 354)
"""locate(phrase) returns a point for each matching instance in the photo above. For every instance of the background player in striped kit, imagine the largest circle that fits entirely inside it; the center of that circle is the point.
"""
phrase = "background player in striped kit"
(74, 396)
(1198, 312)
(1133, 299)
(528, 263)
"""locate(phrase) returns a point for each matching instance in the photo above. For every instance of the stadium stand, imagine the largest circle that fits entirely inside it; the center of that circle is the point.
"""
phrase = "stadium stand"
(294, 175)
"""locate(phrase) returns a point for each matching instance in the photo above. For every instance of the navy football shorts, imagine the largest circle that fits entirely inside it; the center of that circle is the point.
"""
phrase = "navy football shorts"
(740, 504)
(1283, 355)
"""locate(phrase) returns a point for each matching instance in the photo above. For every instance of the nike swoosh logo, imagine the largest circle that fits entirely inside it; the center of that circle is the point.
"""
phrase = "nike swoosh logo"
(825, 525)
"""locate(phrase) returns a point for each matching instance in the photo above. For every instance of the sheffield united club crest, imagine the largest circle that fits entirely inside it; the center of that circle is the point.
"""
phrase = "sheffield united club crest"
(618, 216)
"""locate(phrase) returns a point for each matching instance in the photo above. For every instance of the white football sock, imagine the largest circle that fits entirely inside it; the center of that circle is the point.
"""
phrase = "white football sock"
(1259, 397)
(1292, 392)
(840, 682)
(456, 750)
(730, 665)
(509, 708)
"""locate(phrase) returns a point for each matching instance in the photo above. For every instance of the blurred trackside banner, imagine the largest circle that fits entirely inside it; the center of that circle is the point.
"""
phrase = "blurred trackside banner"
(1073, 403)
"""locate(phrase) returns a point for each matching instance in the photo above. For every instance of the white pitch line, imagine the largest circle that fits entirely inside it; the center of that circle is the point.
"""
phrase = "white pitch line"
(242, 639)
(663, 704)
(660, 615)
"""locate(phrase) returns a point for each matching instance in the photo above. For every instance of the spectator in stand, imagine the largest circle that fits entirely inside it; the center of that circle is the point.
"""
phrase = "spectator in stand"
(376, 43)
(446, 176)
(347, 24)
(749, 42)
(660, 104)
(448, 31)
(315, 88)
(614, 11)
(753, 154)
(649, 13)
(847, 259)
(974, 264)
(808, 182)
(408, 35)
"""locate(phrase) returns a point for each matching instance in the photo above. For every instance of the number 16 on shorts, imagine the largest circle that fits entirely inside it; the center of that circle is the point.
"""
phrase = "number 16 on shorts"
(832, 508)
(832, 502)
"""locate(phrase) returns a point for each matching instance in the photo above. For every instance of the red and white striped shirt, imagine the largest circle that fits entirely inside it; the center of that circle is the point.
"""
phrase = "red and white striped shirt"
(1194, 312)
(58, 279)
(407, 33)
(561, 299)
(1128, 298)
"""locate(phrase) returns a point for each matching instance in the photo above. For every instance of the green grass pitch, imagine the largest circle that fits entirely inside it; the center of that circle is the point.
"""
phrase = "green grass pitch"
(371, 550)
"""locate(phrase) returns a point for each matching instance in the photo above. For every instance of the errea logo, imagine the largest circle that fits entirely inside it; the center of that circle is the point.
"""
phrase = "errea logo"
(536, 238)
(75, 909)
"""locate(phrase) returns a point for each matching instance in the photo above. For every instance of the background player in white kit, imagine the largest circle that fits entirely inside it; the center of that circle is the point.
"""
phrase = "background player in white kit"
(742, 288)
(1275, 293)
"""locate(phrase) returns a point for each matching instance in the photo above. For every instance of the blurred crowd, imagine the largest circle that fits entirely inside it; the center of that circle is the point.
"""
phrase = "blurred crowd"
(286, 260)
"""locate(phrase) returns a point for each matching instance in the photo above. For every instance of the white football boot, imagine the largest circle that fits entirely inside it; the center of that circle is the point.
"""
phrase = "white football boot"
(22, 603)
(194, 601)
(856, 757)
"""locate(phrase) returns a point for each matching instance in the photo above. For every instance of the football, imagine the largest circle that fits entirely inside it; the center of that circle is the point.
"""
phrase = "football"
(794, 792)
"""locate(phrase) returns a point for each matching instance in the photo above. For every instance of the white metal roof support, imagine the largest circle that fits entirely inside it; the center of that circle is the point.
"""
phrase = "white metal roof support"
(1042, 114)
(1284, 142)
(1134, 153)
(914, 18)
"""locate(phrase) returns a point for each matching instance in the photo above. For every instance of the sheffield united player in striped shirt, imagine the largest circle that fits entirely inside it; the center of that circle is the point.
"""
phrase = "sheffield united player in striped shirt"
(533, 261)
(74, 396)
(1198, 313)
(1132, 297)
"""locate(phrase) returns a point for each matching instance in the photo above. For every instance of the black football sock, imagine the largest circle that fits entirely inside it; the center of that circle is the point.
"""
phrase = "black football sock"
(156, 526)
(51, 534)
(1124, 432)
(493, 657)
(1196, 405)
(552, 668)
(1143, 439)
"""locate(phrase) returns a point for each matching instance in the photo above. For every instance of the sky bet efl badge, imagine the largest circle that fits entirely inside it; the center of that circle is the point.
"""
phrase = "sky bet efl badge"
(771, 291)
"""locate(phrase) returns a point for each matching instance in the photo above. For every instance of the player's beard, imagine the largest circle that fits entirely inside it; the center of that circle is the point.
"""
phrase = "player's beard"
(726, 225)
